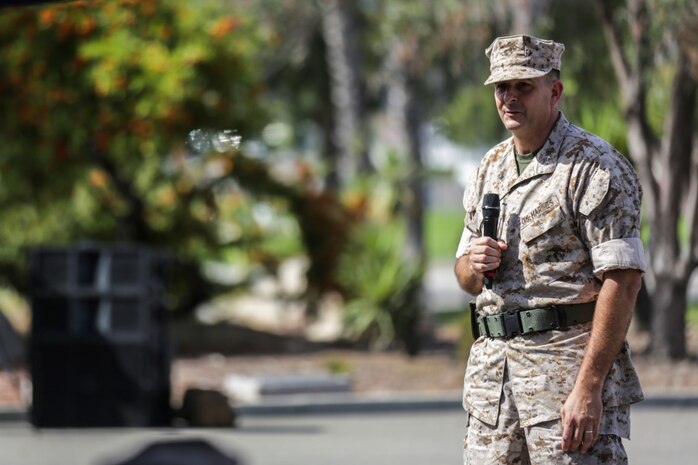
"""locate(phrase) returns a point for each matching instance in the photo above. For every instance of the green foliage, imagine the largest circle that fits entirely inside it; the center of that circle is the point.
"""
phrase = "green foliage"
(587, 72)
(590, 96)
(438, 44)
(604, 120)
(472, 117)
(659, 96)
(382, 287)
(590, 82)
(442, 231)
(98, 98)
(436, 30)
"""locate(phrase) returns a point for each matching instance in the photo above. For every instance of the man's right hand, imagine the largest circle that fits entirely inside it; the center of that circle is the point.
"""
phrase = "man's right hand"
(484, 254)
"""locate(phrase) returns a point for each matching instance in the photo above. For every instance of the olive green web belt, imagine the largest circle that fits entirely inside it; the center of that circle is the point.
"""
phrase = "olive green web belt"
(525, 321)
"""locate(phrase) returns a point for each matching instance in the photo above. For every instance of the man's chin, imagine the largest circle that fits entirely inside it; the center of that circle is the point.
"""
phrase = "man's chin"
(512, 125)
(512, 118)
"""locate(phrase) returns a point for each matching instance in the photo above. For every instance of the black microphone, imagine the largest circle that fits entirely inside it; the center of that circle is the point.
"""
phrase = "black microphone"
(490, 218)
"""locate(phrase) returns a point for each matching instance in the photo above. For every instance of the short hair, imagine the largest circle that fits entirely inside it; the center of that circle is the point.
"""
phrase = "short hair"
(553, 75)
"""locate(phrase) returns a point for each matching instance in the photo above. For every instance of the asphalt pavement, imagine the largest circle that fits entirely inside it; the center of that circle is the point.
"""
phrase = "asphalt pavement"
(662, 433)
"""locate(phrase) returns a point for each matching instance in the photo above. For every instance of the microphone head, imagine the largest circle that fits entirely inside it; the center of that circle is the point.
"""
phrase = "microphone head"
(490, 204)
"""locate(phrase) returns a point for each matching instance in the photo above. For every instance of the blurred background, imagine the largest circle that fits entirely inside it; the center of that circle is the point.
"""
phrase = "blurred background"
(200, 188)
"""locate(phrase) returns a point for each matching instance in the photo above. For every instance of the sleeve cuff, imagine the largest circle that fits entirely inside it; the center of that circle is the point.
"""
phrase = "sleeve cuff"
(618, 254)
(464, 244)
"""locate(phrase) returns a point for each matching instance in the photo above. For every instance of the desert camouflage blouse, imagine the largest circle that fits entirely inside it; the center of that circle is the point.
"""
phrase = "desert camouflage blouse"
(573, 214)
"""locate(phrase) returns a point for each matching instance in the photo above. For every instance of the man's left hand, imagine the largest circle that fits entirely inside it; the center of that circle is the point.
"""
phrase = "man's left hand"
(581, 418)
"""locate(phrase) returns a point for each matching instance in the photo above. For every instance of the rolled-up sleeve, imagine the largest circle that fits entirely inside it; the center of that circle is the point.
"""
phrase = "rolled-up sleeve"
(464, 244)
(610, 216)
(616, 254)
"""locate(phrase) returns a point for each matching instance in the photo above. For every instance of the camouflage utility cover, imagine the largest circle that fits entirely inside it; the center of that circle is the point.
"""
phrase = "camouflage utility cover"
(522, 57)
(572, 215)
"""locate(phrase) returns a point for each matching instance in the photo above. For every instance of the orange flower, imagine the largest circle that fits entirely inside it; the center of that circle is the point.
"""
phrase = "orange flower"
(47, 16)
(356, 204)
(86, 25)
(141, 128)
(167, 197)
(149, 8)
(98, 178)
(223, 26)
(65, 29)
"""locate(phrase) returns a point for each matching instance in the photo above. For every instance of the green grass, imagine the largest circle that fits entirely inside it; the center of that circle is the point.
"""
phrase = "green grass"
(692, 314)
(442, 232)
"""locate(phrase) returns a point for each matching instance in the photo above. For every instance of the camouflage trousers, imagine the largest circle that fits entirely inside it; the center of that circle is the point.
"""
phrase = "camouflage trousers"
(540, 444)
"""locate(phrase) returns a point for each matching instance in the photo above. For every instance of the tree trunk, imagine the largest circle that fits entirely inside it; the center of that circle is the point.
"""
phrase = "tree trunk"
(665, 167)
(330, 152)
(669, 325)
(132, 225)
(341, 55)
(672, 261)
(643, 309)
(415, 248)
(415, 182)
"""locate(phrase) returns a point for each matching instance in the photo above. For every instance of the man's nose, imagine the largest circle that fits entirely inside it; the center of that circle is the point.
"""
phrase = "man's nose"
(510, 94)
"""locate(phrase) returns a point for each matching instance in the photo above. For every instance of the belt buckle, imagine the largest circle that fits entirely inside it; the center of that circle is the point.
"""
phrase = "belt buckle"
(512, 324)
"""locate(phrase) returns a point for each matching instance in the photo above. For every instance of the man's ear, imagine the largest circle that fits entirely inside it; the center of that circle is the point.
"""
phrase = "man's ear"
(557, 89)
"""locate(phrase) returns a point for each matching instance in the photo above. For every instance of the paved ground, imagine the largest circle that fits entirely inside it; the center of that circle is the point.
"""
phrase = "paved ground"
(661, 435)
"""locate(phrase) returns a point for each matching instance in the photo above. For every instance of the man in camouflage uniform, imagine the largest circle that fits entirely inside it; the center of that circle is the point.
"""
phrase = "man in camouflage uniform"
(549, 379)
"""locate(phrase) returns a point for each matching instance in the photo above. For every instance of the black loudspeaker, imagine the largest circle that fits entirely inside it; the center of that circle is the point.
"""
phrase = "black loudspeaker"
(99, 350)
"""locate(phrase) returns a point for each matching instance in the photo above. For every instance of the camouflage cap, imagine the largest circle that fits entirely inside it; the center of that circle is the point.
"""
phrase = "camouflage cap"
(522, 57)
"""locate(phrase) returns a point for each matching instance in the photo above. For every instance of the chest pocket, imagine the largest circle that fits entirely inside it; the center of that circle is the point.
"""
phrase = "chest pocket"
(537, 224)
(546, 242)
